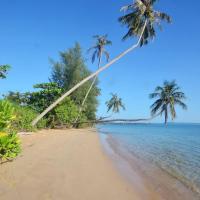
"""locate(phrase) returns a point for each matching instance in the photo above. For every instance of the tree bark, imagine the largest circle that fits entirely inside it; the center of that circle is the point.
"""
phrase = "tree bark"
(35, 121)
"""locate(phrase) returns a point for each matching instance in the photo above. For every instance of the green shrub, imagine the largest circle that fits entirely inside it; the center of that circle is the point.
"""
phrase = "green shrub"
(81, 122)
(10, 146)
(24, 117)
(66, 113)
(6, 115)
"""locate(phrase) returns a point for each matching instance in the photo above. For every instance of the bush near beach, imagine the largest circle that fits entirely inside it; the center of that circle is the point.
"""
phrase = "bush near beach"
(10, 145)
(24, 117)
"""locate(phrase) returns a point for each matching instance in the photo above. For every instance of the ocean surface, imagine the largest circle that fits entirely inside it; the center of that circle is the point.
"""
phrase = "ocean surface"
(174, 148)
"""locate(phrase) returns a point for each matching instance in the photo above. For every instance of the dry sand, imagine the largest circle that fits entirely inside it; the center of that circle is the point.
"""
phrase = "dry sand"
(63, 165)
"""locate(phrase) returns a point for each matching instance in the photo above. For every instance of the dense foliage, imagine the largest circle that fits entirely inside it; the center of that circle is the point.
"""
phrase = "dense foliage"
(24, 117)
(6, 115)
(65, 74)
(38, 100)
(10, 146)
(67, 113)
(9, 141)
(70, 70)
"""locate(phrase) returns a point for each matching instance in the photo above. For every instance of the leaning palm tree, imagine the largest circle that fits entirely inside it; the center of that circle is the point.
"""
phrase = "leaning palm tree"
(98, 51)
(115, 104)
(141, 20)
(168, 96)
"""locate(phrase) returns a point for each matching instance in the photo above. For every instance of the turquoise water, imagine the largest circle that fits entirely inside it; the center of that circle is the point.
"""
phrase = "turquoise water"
(174, 148)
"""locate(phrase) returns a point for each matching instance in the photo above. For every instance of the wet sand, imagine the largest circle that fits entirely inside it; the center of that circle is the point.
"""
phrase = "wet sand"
(63, 165)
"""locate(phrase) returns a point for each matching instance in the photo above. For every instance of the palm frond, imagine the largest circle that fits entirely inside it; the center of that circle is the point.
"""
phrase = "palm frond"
(153, 95)
(107, 55)
(155, 107)
(91, 48)
(94, 56)
(180, 103)
(179, 95)
(162, 16)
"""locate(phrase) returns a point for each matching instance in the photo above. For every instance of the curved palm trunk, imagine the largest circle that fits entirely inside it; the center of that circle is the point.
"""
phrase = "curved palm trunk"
(35, 121)
(88, 92)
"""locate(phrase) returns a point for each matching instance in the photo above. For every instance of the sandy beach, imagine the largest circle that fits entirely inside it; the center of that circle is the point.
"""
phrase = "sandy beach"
(63, 164)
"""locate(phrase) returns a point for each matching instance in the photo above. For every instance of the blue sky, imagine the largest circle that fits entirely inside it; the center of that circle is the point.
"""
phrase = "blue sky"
(32, 31)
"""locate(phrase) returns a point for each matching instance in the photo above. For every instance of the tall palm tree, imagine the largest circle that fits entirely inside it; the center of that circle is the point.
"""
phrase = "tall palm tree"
(115, 103)
(168, 96)
(140, 20)
(98, 51)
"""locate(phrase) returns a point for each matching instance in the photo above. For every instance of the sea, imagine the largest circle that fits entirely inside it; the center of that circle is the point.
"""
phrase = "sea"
(173, 149)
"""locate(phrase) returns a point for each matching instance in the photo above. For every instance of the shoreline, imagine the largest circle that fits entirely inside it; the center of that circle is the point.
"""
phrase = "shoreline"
(63, 164)
(136, 170)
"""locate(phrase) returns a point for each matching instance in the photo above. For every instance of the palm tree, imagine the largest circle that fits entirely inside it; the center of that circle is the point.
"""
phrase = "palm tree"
(115, 103)
(3, 71)
(168, 96)
(140, 19)
(99, 48)
(98, 51)
(141, 13)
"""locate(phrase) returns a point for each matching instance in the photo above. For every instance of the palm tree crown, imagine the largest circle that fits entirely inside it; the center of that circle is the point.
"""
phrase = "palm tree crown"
(99, 47)
(141, 13)
(115, 103)
(168, 96)
(3, 71)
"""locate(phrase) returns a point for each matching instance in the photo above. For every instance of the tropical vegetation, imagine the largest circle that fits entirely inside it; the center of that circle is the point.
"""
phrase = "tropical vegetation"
(10, 146)
(115, 104)
(65, 74)
(141, 14)
(98, 51)
(167, 97)
(141, 20)
(9, 142)
(70, 97)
